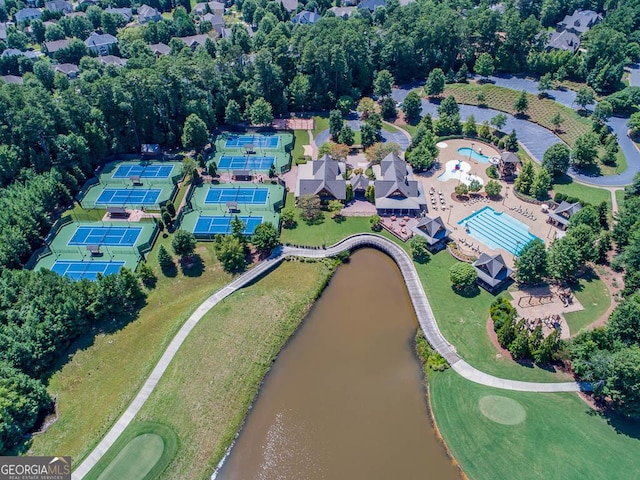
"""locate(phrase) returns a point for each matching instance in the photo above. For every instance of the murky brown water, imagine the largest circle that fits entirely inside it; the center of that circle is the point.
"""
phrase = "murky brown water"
(345, 398)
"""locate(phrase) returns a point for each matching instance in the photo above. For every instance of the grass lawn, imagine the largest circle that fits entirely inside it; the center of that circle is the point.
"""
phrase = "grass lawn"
(142, 452)
(620, 197)
(301, 138)
(320, 123)
(79, 213)
(389, 128)
(594, 296)
(462, 321)
(208, 388)
(560, 437)
(104, 372)
(592, 195)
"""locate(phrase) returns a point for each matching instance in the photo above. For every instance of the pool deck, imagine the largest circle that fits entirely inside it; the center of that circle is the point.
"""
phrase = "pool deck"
(455, 210)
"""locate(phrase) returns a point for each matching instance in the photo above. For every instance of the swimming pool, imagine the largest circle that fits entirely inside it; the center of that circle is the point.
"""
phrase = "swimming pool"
(458, 170)
(466, 151)
(497, 230)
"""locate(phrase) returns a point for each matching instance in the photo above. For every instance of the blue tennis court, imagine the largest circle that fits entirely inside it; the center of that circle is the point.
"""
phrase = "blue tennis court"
(222, 225)
(261, 141)
(109, 236)
(77, 269)
(143, 171)
(249, 162)
(129, 196)
(240, 195)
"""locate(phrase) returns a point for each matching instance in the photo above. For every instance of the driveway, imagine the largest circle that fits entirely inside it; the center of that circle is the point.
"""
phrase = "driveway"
(397, 136)
(537, 139)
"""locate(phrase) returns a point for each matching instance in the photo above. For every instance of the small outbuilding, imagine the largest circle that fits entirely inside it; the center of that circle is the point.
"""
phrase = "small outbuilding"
(492, 271)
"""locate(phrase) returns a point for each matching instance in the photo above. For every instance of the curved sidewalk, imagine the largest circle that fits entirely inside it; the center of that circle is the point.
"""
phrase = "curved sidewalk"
(418, 298)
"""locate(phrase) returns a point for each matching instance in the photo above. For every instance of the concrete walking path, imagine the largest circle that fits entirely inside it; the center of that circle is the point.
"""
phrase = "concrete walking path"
(418, 298)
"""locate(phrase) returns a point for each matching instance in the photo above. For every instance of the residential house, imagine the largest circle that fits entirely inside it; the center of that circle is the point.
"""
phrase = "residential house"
(371, 5)
(28, 14)
(563, 212)
(492, 271)
(112, 60)
(305, 18)
(55, 45)
(127, 13)
(289, 5)
(75, 14)
(434, 231)
(343, 12)
(322, 177)
(159, 49)
(3, 31)
(217, 22)
(102, 44)
(579, 22)
(59, 6)
(13, 79)
(192, 41)
(68, 69)
(396, 190)
(564, 40)
(148, 14)
(203, 8)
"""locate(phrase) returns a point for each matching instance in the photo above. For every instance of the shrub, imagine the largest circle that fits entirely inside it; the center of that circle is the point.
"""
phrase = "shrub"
(463, 275)
(559, 197)
(492, 172)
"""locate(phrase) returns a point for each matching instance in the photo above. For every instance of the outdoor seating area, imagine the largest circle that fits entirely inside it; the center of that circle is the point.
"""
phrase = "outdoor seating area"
(524, 212)
(399, 226)
(437, 200)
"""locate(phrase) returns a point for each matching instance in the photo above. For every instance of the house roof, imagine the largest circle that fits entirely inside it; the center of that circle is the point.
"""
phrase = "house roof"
(305, 18)
(201, 8)
(75, 14)
(509, 157)
(343, 12)
(289, 5)
(112, 60)
(98, 40)
(125, 12)
(580, 21)
(58, 6)
(27, 13)
(371, 5)
(12, 79)
(564, 40)
(66, 68)
(359, 182)
(432, 229)
(160, 48)
(11, 52)
(492, 270)
(194, 40)
(56, 45)
(396, 187)
(564, 212)
(324, 175)
(146, 12)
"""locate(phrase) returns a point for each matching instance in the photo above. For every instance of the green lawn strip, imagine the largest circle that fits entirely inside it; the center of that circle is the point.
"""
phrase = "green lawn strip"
(82, 215)
(540, 111)
(462, 321)
(592, 195)
(301, 138)
(320, 123)
(594, 296)
(389, 128)
(136, 453)
(209, 386)
(561, 437)
(619, 197)
(411, 129)
(107, 370)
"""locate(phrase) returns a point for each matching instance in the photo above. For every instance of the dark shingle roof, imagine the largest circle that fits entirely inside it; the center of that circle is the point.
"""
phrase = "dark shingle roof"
(492, 270)
(432, 229)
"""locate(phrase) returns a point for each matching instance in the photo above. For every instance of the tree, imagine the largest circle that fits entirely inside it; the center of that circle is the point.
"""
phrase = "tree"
(237, 230)
(544, 84)
(383, 83)
(261, 112)
(370, 193)
(602, 112)
(188, 167)
(461, 189)
(463, 275)
(541, 184)
(531, 263)
(265, 237)
(183, 243)
(412, 105)
(374, 222)
(493, 188)
(557, 120)
(232, 113)
(564, 259)
(469, 128)
(585, 240)
(212, 169)
(521, 105)
(310, 206)
(419, 251)
(288, 217)
(484, 65)
(623, 381)
(556, 159)
(230, 253)
(511, 142)
(585, 151)
(346, 136)
(499, 121)
(164, 259)
(335, 207)
(336, 151)
(584, 97)
(525, 178)
(366, 107)
(368, 135)
(146, 275)
(376, 152)
(388, 108)
(435, 83)
(519, 348)
(634, 123)
(335, 124)
(448, 122)
(344, 104)
(195, 134)
(475, 186)
(461, 75)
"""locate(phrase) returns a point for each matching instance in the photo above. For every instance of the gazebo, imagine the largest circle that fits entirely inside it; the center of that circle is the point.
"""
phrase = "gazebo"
(508, 165)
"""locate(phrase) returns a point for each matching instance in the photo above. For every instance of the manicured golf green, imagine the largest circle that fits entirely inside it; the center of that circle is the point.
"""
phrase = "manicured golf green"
(497, 434)
(136, 459)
